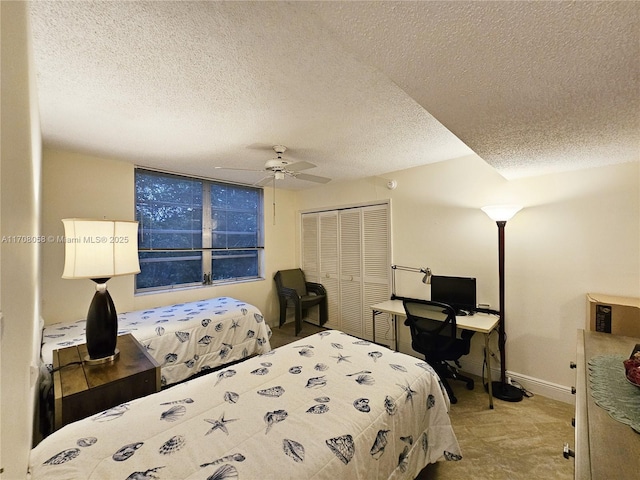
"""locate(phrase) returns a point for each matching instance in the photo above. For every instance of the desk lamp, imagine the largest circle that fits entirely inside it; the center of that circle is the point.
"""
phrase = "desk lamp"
(426, 279)
(99, 250)
(501, 389)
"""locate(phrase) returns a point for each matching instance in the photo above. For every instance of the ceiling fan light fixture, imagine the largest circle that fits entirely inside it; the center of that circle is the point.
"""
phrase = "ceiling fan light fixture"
(279, 169)
(276, 164)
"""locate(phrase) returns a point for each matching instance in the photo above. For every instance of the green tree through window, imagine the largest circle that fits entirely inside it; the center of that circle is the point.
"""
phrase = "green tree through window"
(192, 229)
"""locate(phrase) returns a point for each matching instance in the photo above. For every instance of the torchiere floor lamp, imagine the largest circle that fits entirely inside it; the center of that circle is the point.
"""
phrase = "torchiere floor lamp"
(501, 389)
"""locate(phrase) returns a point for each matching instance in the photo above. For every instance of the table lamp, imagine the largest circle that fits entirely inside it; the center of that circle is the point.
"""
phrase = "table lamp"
(99, 250)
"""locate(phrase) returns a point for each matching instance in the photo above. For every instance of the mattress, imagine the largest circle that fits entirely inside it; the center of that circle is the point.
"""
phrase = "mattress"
(184, 339)
(329, 406)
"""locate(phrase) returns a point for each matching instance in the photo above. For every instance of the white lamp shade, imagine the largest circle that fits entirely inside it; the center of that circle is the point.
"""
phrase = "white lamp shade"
(501, 213)
(100, 248)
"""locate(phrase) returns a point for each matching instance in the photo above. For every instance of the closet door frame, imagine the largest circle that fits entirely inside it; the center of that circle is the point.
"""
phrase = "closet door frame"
(374, 279)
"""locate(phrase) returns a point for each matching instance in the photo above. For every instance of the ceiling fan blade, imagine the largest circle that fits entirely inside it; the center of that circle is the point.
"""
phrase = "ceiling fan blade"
(265, 181)
(312, 178)
(238, 169)
(260, 146)
(297, 166)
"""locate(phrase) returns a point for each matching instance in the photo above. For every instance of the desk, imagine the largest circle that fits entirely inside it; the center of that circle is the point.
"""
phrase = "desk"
(479, 322)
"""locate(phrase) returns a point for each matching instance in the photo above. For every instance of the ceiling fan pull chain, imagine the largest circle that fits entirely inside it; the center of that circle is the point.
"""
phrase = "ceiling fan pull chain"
(274, 200)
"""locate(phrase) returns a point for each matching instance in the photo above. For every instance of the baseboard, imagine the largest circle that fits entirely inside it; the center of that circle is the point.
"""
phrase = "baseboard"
(534, 385)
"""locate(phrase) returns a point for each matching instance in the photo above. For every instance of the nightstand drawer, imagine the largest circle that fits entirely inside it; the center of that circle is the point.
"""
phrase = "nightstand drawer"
(81, 390)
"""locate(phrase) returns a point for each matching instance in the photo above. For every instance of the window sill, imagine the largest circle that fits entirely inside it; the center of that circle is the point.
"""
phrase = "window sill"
(156, 291)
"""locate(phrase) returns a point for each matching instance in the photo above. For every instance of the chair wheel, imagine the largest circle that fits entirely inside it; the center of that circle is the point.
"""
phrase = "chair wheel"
(452, 399)
(470, 385)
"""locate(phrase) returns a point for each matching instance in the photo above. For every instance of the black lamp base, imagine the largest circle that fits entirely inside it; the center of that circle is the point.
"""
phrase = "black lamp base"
(102, 325)
(99, 361)
(506, 392)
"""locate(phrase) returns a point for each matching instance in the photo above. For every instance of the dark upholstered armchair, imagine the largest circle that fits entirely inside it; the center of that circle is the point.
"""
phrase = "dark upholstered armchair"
(295, 290)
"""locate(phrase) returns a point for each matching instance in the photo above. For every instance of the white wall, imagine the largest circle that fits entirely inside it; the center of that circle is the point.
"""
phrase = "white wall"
(79, 185)
(20, 159)
(579, 232)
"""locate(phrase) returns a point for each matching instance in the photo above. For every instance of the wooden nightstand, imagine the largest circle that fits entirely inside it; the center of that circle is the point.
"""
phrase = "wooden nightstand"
(81, 390)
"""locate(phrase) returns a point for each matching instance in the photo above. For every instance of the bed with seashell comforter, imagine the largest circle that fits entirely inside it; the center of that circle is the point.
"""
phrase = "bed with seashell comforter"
(329, 406)
(184, 338)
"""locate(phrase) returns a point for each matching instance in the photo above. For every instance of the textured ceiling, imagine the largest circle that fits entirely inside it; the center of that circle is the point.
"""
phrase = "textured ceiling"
(357, 88)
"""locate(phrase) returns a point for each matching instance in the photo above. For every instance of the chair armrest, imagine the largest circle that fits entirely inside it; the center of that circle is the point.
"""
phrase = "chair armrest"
(316, 288)
(289, 293)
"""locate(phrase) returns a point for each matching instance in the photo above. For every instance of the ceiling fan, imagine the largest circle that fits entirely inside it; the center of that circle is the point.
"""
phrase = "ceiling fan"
(279, 168)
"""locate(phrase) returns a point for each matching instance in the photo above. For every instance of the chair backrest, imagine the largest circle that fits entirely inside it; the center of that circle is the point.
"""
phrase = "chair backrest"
(432, 325)
(293, 278)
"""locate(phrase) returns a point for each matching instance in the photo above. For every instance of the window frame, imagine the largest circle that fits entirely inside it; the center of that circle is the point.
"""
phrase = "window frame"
(207, 250)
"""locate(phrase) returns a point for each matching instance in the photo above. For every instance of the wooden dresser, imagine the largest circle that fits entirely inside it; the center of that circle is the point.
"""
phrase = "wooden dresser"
(604, 448)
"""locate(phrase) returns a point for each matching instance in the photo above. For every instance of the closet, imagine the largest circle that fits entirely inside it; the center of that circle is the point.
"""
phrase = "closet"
(348, 251)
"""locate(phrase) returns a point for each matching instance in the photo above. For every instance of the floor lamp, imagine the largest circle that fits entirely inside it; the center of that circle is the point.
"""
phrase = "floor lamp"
(501, 389)
(99, 250)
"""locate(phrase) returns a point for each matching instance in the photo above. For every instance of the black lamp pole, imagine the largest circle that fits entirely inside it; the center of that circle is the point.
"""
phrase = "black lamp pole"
(501, 389)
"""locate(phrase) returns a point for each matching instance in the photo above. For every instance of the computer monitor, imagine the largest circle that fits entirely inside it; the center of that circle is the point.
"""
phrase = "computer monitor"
(459, 292)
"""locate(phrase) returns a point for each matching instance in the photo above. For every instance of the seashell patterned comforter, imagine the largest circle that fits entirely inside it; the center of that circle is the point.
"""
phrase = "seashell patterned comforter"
(329, 406)
(184, 338)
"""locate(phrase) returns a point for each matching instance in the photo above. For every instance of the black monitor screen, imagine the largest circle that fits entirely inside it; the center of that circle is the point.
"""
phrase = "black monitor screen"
(459, 292)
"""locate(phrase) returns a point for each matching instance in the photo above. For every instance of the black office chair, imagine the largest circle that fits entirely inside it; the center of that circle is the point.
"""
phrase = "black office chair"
(293, 287)
(434, 334)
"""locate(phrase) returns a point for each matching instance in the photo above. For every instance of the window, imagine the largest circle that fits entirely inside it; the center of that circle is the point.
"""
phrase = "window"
(193, 231)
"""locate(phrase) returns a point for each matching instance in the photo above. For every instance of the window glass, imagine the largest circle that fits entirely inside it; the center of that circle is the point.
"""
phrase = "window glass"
(193, 230)
(234, 217)
(169, 210)
(234, 264)
(159, 269)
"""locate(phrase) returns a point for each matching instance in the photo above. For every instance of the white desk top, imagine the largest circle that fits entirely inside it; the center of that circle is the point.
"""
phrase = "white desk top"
(478, 322)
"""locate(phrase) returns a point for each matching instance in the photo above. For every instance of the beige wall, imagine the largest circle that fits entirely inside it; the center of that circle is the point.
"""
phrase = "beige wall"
(19, 225)
(81, 186)
(579, 232)
(78, 185)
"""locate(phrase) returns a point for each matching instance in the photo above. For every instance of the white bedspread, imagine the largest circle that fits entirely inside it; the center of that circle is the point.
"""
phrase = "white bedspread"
(329, 406)
(184, 338)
